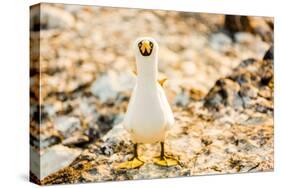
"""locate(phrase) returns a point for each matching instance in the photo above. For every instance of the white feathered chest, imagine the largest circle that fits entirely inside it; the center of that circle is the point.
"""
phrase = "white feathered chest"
(148, 115)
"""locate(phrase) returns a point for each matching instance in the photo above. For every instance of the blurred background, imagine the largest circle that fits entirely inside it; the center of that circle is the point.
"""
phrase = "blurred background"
(86, 63)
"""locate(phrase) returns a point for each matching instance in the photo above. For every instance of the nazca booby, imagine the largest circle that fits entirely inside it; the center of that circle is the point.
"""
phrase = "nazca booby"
(149, 115)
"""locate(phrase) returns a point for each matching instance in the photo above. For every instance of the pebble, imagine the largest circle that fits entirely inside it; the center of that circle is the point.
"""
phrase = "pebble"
(67, 125)
(244, 37)
(181, 99)
(189, 68)
(220, 42)
(110, 85)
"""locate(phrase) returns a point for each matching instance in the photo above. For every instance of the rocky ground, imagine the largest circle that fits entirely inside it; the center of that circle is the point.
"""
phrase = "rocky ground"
(220, 86)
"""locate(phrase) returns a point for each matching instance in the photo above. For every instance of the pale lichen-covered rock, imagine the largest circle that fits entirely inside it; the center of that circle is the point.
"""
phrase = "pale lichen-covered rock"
(110, 85)
(220, 42)
(67, 125)
(54, 159)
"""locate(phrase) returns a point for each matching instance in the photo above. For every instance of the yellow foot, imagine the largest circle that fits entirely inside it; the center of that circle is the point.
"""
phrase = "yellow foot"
(133, 163)
(165, 161)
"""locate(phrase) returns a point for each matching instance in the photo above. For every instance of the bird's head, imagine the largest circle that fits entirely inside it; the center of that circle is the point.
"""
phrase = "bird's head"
(146, 48)
(146, 52)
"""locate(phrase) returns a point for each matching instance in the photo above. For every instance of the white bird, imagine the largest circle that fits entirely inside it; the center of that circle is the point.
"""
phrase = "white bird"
(149, 115)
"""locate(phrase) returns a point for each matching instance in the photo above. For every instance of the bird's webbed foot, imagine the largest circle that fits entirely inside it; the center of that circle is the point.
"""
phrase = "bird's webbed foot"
(134, 162)
(164, 160)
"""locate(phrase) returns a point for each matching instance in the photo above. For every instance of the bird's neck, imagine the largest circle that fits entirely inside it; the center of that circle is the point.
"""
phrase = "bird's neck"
(147, 71)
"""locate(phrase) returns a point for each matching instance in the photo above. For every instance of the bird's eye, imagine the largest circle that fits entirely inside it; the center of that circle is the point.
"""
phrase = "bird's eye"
(151, 44)
(139, 45)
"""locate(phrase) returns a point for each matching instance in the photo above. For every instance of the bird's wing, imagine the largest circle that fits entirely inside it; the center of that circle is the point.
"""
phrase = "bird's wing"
(127, 120)
(160, 81)
(134, 72)
(167, 108)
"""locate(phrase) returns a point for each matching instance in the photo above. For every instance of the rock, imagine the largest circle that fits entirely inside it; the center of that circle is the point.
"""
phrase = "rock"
(265, 92)
(247, 90)
(203, 146)
(86, 107)
(49, 109)
(67, 125)
(111, 145)
(220, 42)
(196, 94)
(73, 9)
(156, 172)
(76, 140)
(181, 99)
(262, 27)
(234, 23)
(244, 38)
(86, 178)
(254, 121)
(56, 158)
(249, 83)
(246, 63)
(167, 58)
(205, 143)
(119, 131)
(106, 121)
(51, 18)
(34, 162)
(48, 135)
(269, 55)
(49, 141)
(189, 68)
(255, 25)
(224, 93)
(110, 85)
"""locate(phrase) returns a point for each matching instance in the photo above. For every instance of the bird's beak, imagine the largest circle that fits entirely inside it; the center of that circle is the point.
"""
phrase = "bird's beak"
(145, 47)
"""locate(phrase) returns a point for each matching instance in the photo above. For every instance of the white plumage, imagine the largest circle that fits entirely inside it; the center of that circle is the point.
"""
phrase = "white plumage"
(149, 115)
